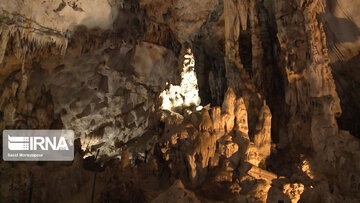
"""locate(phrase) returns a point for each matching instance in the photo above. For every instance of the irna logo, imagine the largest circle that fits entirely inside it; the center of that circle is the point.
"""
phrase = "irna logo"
(37, 143)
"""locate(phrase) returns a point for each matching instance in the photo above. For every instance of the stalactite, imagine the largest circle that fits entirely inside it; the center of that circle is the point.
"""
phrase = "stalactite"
(28, 36)
(107, 87)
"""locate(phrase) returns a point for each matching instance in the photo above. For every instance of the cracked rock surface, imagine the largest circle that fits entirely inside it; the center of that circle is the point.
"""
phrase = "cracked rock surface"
(184, 100)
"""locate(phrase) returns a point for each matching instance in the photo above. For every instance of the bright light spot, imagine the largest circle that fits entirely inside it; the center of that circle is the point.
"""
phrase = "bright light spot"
(199, 108)
(306, 169)
(187, 93)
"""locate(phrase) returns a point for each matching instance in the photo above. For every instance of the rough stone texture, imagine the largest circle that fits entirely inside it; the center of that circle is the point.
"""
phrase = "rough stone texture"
(273, 77)
(183, 17)
(62, 15)
(310, 83)
(310, 87)
(342, 24)
(214, 154)
(110, 107)
(177, 193)
(342, 27)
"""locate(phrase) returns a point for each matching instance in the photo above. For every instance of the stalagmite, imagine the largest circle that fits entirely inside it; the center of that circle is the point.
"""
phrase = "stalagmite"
(241, 125)
(262, 138)
(228, 109)
(187, 93)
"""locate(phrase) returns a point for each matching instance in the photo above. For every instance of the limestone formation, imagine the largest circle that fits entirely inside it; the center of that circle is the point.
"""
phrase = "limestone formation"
(177, 193)
(262, 138)
(28, 36)
(241, 125)
(228, 109)
(184, 100)
(294, 191)
(187, 93)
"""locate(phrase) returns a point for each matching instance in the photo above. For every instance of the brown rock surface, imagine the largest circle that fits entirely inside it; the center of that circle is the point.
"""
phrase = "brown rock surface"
(185, 100)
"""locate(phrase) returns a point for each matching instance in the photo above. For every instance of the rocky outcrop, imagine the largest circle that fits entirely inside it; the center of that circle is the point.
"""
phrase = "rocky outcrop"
(310, 92)
(27, 36)
(25, 107)
(219, 148)
(342, 24)
(110, 108)
(310, 82)
(176, 193)
(183, 17)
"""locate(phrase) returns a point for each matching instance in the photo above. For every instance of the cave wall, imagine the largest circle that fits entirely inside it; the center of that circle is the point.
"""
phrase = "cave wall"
(342, 27)
(280, 79)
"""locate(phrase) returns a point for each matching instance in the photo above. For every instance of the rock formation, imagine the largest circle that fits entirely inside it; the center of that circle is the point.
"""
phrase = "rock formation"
(184, 100)
(187, 93)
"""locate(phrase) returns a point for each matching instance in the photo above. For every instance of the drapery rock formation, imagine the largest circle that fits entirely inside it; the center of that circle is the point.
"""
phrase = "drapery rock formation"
(184, 101)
